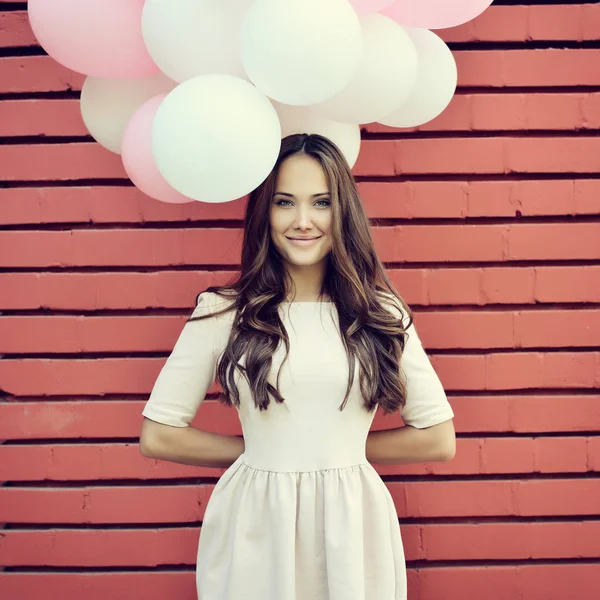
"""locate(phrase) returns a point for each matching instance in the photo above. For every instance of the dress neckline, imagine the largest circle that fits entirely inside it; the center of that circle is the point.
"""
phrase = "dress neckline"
(307, 302)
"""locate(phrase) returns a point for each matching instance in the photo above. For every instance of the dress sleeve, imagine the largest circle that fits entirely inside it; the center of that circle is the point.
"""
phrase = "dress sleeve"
(426, 401)
(189, 371)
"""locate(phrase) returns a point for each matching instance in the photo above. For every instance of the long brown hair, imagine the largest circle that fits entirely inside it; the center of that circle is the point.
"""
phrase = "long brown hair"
(355, 281)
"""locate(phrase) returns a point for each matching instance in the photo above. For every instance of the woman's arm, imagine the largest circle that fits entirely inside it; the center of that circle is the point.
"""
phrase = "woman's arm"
(408, 444)
(179, 391)
(189, 445)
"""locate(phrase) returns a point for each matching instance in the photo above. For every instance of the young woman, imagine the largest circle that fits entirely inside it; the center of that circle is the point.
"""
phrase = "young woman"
(306, 343)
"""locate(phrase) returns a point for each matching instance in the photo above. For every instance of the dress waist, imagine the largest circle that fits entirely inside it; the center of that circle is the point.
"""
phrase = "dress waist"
(285, 462)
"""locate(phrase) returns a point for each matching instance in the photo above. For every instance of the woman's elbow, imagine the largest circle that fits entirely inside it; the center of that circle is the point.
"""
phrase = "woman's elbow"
(448, 451)
(151, 435)
(445, 441)
(146, 447)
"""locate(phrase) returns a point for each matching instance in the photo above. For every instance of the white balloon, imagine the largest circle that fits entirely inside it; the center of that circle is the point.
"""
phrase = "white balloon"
(435, 85)
(107, 104)
(301, 52)
(215, 138)
(186, 38)
(385, 77)
(304, 119)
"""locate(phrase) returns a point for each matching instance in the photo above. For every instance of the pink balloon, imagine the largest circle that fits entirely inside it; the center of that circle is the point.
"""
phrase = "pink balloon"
(434, 14)
(94, 37)
(368, 7)
(138, 160)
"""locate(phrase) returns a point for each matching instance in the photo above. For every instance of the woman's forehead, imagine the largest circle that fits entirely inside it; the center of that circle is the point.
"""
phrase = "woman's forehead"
(303, 173)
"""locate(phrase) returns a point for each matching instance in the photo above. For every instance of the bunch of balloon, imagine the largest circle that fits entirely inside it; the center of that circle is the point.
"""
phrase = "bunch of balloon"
(196, 95)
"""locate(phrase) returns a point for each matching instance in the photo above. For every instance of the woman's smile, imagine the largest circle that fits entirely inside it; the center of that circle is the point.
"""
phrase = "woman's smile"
(303, 241)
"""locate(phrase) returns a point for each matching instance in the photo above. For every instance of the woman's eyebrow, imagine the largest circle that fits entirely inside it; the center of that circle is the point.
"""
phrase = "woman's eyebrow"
(292, 195)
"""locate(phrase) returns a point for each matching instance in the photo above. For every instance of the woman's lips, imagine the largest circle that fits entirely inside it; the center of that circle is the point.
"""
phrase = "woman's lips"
(303, 242)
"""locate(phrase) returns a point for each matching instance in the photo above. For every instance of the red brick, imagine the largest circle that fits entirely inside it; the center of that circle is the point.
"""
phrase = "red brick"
(459, 155)
(100, 547)
(466, 329)
(557, 328)
(508, 285)
(565, 369)
(590, 21)
(513, 455)
(376, 158)
(450, 243)
(510, 541)
(447, 583)
(59, 162)
(550, 241)
(41, 117)
(587, 192)
(411, 284)
(554, 413)
(37, 74)
(499, 112)
(460, 372)
(483, 413)
(490, 198)
(593, 448)
(99, 204)
(555, 582)
(567, 284)
(552, 155)
(73, 418)
(530, 68)
(557, 497)
(555, 455)
(521, 370)
(555, 111)
(545, 197)
(563, 22)
(15, 30)
(414, 199)
(454, 286)
(454, 498)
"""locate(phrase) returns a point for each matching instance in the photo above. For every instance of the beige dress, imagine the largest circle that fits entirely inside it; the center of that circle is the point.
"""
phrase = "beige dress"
(301, 514)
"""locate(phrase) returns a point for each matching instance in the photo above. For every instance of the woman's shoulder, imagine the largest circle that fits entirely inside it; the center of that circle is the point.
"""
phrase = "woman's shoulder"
(210, 301)
(216, 296)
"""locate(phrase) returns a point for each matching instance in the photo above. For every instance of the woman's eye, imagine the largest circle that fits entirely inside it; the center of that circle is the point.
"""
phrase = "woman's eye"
(279, 202)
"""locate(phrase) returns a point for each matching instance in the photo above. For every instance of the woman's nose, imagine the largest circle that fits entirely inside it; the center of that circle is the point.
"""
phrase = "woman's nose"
(303, 217)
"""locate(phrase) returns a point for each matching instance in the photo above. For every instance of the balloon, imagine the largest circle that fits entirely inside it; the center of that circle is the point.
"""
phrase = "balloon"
(136, 152)
(301, 52)
(435, 14)
(303, 119)
(215, 137)
(385, 77)
(194, 37)
(435, 85)
(96, 37)
(368, 7)
(108, 104)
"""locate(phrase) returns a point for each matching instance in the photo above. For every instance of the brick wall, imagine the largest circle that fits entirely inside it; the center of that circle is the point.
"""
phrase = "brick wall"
(488, 221)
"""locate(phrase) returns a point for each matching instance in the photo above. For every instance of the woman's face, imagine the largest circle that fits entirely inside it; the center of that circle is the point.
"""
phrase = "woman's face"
(301, 208)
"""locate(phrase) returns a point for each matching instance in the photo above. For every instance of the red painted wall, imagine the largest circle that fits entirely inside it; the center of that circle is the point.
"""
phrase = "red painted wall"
(488, 221)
